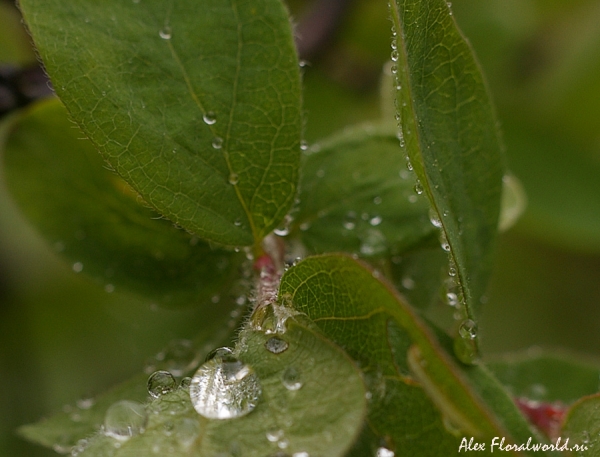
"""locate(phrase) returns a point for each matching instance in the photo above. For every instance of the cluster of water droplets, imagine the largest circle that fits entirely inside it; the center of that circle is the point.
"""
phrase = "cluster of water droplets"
(125, 419)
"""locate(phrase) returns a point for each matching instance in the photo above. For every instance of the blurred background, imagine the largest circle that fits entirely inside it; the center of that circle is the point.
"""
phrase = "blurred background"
(63, 337)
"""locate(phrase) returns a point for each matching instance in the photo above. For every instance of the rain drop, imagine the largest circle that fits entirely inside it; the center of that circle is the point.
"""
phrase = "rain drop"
(434, 219)
(233, 179)
(377, 200)
(186, 431)
(292, 378)
(350, 220)
(452, 299)
(161, 383)
(274, 435)
(468, 330)
(375, 221)
(419, 188)
(225, 388)
(237, 222)
(217, 142)
(384, 452)
(209, 118)
(77, 267)
(408, 283)
(373, 243)
(276, 345)
(109, 288)
(166, 33)
(125, 419)
(303, 146)
(445, 246)
(394, 55)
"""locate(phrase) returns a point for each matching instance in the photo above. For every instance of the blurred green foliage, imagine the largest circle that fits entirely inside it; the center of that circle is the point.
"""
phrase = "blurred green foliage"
(62, 337)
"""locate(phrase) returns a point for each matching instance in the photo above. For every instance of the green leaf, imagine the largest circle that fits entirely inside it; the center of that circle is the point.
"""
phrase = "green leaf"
(90, 215)
(196, 106)
(450, 135)
(417, 389)
(582, 427)
(546, 376)
(355, 197)
(321, 416)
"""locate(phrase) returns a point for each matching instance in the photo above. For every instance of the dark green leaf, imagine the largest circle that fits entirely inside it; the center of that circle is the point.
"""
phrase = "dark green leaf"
(197, 106)
(98, 223)
(582, 427)
(356, 197)
(547, 376)
(450, 135)
(321, 417)
(417, 389)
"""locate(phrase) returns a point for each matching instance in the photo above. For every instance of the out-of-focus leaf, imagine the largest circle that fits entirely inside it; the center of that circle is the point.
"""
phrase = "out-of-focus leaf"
(450, 136)
(416, 388)
(356, 197)
(14, 44)
(98, 223)
(319, 412)
(582, 427)
(196, 106)
(562, 183)
(545, 376)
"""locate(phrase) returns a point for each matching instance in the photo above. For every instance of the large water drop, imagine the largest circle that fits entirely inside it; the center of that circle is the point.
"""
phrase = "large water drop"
(209, 118)
(125, 419)
(224, 388)
(292, 378)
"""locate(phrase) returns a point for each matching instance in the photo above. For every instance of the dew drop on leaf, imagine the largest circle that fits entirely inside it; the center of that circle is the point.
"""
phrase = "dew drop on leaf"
(225, 388)
(166, 33)
(125, 419)
(186, 432)
(274, 435)
(419, 188)
(292, 378)
(161, 383)
(468, 329)
(384, 452)
(233, 179)
(77, 267)
(276, 345)
(209, 118)
(217, 142)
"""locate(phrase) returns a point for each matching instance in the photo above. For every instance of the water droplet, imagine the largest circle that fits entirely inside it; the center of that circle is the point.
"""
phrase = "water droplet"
(284, 228)
(320, 173)
(394, 55)
(394, 69)
(125, 419)
(224, 388)
(350, 220)
(166, 33)
(237, 222)
(161, 383)
(219, 353)
(373, 243)
(292, 378)
(233, 179)
(85, 403)
(452, 299)
(185, 432)
(276, 345)
(274, 435)
(217, 142)
(301, 454)
(305, 226)
(185, 382)
(434, 218)
(375, 221)
(377, 200)
(109, 288)
(209, 118)
(283, 443)
(445, 246)
(384, 452)
(468, 329)
(419, 188)
(77, 267)
(304, 145)
(451, 271)
(408, 283)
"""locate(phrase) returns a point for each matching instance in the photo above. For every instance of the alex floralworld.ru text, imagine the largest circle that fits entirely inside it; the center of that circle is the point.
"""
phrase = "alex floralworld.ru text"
(500, 444)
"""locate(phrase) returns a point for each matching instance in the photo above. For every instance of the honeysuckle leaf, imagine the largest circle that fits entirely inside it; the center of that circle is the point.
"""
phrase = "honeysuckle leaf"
(546, 376)
(196, 106)
(450, 135)
(319, 410)
(356, 197)
(422, 400)
(90, 216)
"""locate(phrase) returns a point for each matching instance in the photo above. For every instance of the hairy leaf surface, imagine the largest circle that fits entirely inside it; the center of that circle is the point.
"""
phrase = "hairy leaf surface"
(450, 135)
(197, 106)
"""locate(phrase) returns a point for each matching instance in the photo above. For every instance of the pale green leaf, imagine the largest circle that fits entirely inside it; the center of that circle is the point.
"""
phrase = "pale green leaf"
(197, 106)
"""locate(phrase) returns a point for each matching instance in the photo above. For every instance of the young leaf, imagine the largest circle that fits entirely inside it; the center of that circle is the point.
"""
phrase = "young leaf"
(90, 216)
(319, 411)
(417, 389)
(197, 106)
(355, 197)
(582, 427)
(450, 136)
